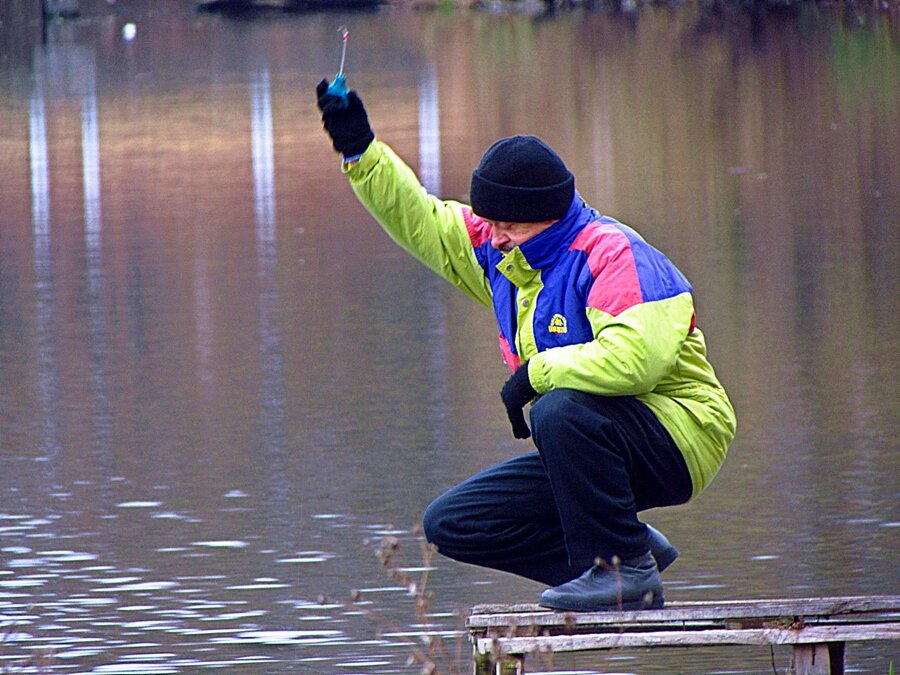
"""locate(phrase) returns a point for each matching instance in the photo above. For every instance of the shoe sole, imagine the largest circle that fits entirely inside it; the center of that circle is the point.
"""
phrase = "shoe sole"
(632, 605)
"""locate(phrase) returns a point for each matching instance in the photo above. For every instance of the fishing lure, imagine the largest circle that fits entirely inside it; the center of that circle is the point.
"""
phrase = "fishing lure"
(338, 86)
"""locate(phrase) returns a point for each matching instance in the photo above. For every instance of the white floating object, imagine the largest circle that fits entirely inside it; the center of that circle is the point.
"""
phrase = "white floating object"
(220, 544)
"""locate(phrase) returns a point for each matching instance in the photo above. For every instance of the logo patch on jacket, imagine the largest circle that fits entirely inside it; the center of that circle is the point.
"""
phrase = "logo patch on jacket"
(558, 324)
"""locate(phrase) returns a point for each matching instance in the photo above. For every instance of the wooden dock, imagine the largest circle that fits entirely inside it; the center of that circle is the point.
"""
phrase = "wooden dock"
(818, 628)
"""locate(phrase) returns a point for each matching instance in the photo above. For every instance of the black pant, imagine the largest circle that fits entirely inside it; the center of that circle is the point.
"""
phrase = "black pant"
(550, 514)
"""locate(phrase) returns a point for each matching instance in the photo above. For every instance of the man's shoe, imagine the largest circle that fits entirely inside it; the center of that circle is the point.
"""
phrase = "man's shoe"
(635, 584)
(663, 551)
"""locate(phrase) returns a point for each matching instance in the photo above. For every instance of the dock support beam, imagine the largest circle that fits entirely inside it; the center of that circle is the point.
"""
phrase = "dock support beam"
(487, 664)
(821, 658)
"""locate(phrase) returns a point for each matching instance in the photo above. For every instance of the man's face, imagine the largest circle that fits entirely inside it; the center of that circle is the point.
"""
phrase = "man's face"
(506, 236)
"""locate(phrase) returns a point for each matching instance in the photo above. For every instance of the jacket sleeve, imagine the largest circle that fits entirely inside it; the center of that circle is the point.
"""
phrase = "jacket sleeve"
(432, 230)
(629, 355)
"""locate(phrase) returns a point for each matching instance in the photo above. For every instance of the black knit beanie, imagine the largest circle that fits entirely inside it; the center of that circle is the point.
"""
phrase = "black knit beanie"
(520, 179)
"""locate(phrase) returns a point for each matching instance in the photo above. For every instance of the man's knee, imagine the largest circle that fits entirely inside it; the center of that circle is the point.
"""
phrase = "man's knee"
(435, 522)
(556, 408)
(452, 523)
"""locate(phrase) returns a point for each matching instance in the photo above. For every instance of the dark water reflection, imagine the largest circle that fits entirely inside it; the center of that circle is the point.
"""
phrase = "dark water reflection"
(219, 378)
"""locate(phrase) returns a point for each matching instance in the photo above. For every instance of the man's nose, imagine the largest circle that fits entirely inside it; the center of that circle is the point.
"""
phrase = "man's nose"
(499, 240)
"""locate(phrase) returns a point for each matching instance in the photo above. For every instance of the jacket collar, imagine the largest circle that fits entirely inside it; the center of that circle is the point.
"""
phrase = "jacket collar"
(543, 249)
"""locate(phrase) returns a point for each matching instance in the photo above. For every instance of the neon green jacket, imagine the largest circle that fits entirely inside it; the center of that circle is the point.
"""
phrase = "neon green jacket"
(588, 302)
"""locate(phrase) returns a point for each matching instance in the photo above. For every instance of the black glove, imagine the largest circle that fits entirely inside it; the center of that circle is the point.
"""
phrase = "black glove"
(347, 124)
(515, 394)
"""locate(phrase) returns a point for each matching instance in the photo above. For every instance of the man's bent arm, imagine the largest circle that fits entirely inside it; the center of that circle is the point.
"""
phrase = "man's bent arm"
(630, 355)
(430, 229)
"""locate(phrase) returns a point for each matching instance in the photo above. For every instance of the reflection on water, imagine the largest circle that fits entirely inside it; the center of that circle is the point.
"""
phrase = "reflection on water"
(87, 608)
(218, 378)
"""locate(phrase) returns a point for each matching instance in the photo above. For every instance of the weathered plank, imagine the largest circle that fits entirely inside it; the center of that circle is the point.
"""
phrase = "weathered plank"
(821, 604)
(674, 638)
(484, 616)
